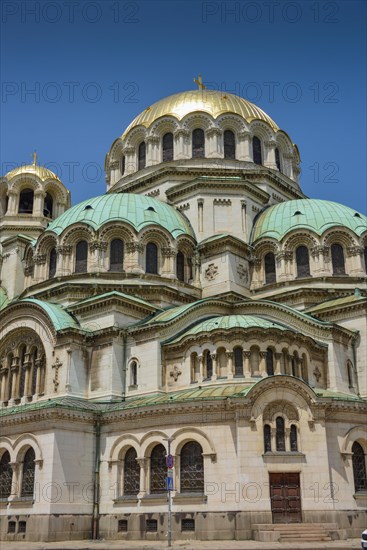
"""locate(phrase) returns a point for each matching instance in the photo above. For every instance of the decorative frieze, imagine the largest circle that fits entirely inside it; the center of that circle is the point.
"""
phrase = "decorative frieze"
(134, 247)
(222, 202)
(97, 245)
(242, 273)
(64, 249)
(39, 259)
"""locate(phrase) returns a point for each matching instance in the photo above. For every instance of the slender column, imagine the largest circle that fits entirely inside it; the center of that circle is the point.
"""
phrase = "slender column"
(130, 160)
(262, 366)
(281, 271)
(95, 260)
(15, 466)
(214, 136)
(256, 278)
(133, 263)
(244, 147)
(3, 374)
(14, 370)
(215, 366)
(13, 203)
(115, 171)
(38, 203)
(200, 214)
(39, 262)
(287, 433)
(288, 159)
(63, 260)
(143, 463)
(270, 155)
(278, 357)
(169, 255)
(229, 355)
(354, 261)
(152, 151)
(181, 145)
(247, 370)
(68, 369)
(273, 439)
(201, 368)
(27, 377)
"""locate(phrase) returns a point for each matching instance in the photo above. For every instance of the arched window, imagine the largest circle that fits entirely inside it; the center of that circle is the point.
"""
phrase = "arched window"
(303, 262)
(131, 473)
(167, 147)
(280, 434)
(48, 206)
(151, 258)
(198, 143)
(270, 273)
(337, 259)
(158, 470)
(116, 255)
(359, 468)
(192, 468)
(22, 370)
(277, 159)
(180, 266)
(238, 361)
(26, 201)
(208, 363)
(293, 438)
(6, 475)
(81, 257)
(267, 438)
(52, 263)
(28, 474)
(141, 156)
(134, 373)
(229, 142)
(256, 150)
(350, 374)
(122, 165)
(269, 362)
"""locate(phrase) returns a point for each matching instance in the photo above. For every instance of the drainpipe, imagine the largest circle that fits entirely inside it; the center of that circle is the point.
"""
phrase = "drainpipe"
(355, 371)
(97, 462)
(124, 339)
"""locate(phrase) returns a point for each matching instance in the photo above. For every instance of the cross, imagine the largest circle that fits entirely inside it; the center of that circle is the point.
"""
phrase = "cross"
(35, 158)
(175, 373)
(199, 82)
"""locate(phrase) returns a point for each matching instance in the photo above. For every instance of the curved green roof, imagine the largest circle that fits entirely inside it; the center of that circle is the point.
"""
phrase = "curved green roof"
(60, 318)
(4, 300)
(136, 210)
(312, 214)
(228, 322)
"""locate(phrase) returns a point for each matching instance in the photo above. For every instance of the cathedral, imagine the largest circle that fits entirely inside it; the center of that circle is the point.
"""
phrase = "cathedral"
(203, 309)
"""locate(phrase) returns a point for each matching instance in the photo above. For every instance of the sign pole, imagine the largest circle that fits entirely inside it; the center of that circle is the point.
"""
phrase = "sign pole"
(169, 461)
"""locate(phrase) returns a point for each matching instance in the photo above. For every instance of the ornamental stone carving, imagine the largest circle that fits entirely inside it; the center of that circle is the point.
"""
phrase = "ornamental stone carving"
(211, 272)
(64, 249)
(134, 247)
(242, 273)
(175, 373)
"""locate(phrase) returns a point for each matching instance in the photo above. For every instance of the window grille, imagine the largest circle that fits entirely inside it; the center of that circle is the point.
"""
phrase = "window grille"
(6, 475)
(167, 146)
(180, 266)
(277, 159)
(238, 361)
(267, 438)
(141, 156)
(52, 264)
(280, 434)
(81, 257)
(293, 438)
(270, 272)
(131, 473)
(187, 524)
(256, 150)
(303, 262)
(151, 526)
(337, 259)
(158, 470)
(229, 144)
(198, 143)
(192, 468)
(359, 468)
(122, 526)
(28, 474)
(151, 258)
(117, 255)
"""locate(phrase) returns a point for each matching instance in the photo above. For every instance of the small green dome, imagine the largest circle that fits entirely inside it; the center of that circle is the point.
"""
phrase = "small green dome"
(136, 210)
(229, 322)
(316, 215)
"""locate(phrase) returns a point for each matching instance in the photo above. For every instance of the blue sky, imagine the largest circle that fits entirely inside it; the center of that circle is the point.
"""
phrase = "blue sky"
(74, 74)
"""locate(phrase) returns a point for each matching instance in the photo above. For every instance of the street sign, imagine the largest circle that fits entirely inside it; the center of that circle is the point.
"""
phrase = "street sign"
(169, 483)
(169, 461)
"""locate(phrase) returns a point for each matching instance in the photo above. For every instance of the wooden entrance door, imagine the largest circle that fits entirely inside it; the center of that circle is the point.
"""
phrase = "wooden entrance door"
(285, 496)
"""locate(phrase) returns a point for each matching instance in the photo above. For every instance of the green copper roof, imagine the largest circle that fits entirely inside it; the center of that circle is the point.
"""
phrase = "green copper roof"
(136, 210)
(337, 303)
(227, 322)
(116, 294)
(4, 300)
(315, 215)
(60, 318)
(173, 312)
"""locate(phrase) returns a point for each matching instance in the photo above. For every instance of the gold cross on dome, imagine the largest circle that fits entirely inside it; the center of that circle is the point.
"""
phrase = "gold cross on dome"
(199, 82)
(35, 157)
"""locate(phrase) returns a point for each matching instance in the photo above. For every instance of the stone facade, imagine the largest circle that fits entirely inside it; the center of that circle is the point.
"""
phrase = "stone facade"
(176, 309)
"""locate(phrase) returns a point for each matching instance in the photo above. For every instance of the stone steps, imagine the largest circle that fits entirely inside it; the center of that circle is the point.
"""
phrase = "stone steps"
(295, 532)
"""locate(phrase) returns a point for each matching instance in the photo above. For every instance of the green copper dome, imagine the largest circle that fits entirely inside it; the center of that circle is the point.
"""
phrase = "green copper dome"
(229, 322)
(315, 215)
(136, 210)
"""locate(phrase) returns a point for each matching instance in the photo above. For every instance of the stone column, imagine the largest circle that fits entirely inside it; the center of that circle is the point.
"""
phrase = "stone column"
(200, 215)
(262, 366)
(12, 203)
(39, 196)
(130, 160)
(144, 464)
(215, 366)
(152, 150)
(181, 151)
(64, 260)
(244, 147)
(27, 377)
(201, 368)
(230, 372)
(133, 263)
(14, 372)
(319, 255)
(354, 261)
(288, 160)
(278, 357)
(214, 140)
(40, 264)
(256, 276)
(270, 147)
(15, 489)
(280, 269)
(95, 260)
(168, 268)
(3, 375)
(247, 370)
(115, 171)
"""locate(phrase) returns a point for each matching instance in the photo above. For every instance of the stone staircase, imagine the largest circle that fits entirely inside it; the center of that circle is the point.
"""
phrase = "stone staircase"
(296, 532)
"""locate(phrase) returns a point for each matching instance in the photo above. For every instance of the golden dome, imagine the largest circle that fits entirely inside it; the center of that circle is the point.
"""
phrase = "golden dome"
(208, 101)
(33, 169)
